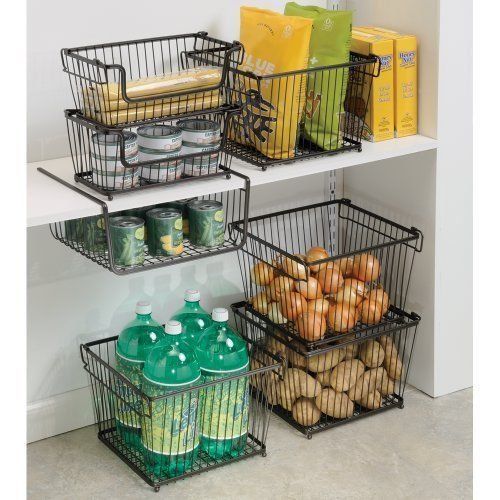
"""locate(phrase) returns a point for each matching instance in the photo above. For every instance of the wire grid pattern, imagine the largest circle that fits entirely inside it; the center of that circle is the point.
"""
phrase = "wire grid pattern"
(334, 98)
(360, 375)
(91, 237)
(133, 423)
(277, 244)
(94, 70)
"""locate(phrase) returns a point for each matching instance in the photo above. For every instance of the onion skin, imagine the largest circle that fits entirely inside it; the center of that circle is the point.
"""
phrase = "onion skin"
(370, 312)
(310, 289)
(260, 302)
(366, 267)
(292, 305)
(348, 294)
(318, 306)
(341, 318)
(278, 286)
(295, 269)
(311, 326)
(345, 265)
(262, 274)
(314, 254)
(274, 314)
(330, 279)
(380, 296)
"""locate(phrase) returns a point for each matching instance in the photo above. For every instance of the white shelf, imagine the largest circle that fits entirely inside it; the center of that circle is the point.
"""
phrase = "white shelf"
(50, 201)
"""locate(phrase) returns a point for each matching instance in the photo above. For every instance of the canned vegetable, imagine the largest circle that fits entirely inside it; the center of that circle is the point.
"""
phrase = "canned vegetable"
(206, 223)
(127, 240)
(94, 234)
(164, 227)
(182, 206)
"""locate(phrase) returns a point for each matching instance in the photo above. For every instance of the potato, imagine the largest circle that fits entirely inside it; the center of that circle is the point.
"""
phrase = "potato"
(392, 361)
(326, 361)
(335, 404)
(371, 353)
(379, 379)
(286, 395)
(324, 378)
(359, 389)
(302, 383)
(274, 345)
(271, 390)
(345, 374)
(371, 381)
(305, 412)
(387, 385)
(262, 274)
(295, 357)
(371, 400)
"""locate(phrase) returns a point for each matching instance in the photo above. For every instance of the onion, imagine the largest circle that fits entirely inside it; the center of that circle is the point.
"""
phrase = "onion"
(316, 253)
(262, 274)
(294, 268)
(278, 286)
(370, 312)
(380, 297)
(310, 289)
(366, 267)
(345, 265)
(341, 317)
(260, 302)
(319, 306)
(292, 305)
(356, 284)
(348, 295)
(274, 314)
(311, 326)
(330, 279)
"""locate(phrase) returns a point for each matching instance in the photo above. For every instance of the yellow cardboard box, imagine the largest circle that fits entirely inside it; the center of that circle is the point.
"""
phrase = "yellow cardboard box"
(379, 120)
(405, 79)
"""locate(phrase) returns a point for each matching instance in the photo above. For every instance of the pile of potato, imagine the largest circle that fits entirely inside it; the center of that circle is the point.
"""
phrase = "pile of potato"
(330, 383)
(336, 294)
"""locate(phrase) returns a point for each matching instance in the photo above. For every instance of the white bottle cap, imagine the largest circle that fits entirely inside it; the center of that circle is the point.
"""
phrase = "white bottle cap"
(220, 314)
(192, 295)
(143, 307)
(173, 327)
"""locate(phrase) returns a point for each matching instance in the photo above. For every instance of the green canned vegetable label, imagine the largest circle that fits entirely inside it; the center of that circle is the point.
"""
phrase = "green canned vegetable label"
(94, 234)
(225, 408)
(165, 232)
(206, 223)
(173, 427)
(127, 240)
(128, 403)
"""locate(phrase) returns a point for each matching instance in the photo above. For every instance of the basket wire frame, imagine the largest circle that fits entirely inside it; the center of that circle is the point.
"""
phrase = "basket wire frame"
(114, 395)
(91, 69)
(358, 376)
(277, 244)
(97, 174)
(343, 90)
(235, 205)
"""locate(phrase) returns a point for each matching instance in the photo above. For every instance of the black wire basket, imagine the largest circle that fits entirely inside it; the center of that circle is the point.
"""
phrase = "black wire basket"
(132, 423)
(129, 168)
(326, 271)
(201, 233)
(301, 114)
(136, 81)
(360, 375)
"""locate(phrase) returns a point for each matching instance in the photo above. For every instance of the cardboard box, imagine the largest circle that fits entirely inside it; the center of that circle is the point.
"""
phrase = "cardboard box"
(379, 120)
(405, 79)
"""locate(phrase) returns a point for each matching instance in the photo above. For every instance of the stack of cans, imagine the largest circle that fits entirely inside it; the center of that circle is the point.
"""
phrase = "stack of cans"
(162, 143)
(107, 169)
(200, 136)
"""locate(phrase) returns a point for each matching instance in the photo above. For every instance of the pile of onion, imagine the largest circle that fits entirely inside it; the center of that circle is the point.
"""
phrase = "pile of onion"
(314, 296)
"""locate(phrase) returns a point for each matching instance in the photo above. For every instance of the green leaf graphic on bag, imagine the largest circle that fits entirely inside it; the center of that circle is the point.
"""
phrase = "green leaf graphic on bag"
(326, 89)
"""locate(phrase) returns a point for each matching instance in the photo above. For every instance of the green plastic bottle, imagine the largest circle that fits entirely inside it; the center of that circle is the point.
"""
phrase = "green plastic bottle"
(132, 348)
(194, 319)
(224, 414)
(170, 427)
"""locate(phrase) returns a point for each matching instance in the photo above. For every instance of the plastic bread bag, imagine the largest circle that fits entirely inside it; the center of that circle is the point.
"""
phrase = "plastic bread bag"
(272, 107)
(326, 89)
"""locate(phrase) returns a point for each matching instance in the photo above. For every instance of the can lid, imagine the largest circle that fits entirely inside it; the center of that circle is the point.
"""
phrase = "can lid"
(220, 314)
(143, 307)
(198, 125)
(192, 295)
(173, 327)
(158, 131)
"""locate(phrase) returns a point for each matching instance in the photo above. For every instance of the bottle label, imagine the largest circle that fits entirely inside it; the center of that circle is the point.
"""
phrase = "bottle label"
(128, 403)
(224, 412)
(172, 428)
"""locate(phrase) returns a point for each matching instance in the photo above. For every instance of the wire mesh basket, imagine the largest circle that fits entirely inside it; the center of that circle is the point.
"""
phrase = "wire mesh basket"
(160, 436)
(113, 161)
(360, 375)
(301, 114)
(133, 241)
(327, 270)
(135, 81)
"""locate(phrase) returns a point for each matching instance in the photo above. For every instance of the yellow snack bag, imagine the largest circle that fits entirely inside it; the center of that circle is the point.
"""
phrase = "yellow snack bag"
(274, 43)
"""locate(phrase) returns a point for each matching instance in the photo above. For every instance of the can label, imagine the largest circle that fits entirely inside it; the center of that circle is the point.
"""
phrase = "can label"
(165, 231)
(182, 206)
(159, 137)
(166, 172)
(73, 230)
(128, 403)
(206, 223)
(224, 412)
(199, 131)
(127, 240)
(172, 428)
(94, 234)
